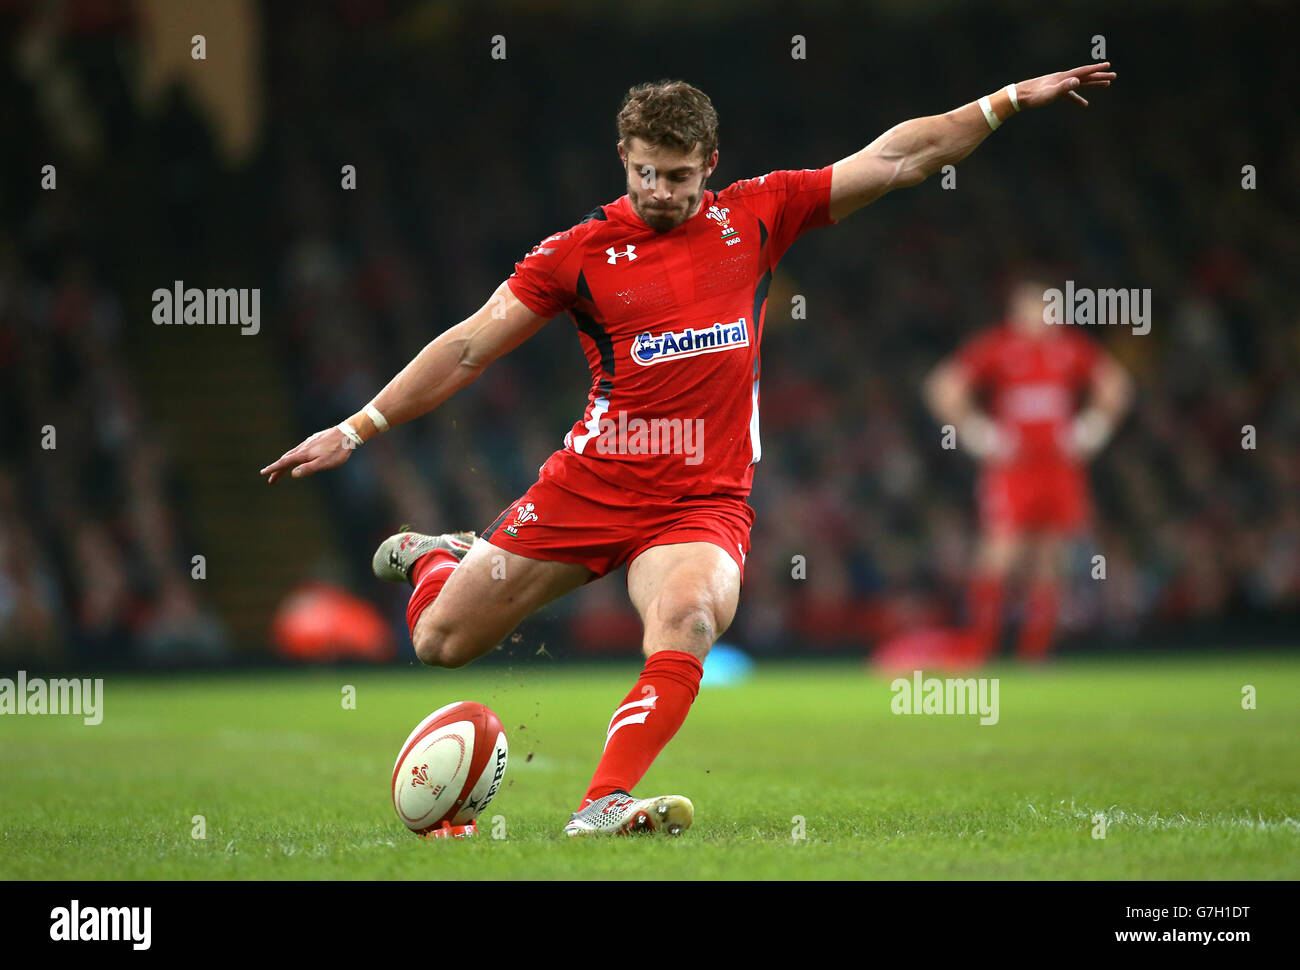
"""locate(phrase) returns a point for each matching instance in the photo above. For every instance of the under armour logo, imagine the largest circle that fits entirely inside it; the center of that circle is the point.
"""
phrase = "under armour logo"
(613, 254)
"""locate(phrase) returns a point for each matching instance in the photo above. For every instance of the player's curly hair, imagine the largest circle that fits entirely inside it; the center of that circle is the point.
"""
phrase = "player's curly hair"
(671, 114)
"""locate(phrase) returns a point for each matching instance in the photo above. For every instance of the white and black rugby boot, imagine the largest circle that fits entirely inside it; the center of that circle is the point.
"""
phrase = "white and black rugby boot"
(624, 814)
(398, 553)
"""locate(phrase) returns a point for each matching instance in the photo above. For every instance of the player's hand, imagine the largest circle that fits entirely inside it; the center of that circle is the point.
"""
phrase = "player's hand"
(325, 449)
(1063, 84)
(1087, 435)
(984, 439)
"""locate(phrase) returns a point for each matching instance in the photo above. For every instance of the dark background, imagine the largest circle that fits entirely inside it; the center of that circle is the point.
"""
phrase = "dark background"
(225, 172)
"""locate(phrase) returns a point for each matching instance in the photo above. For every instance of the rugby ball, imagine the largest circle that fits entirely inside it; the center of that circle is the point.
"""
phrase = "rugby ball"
(450, 767)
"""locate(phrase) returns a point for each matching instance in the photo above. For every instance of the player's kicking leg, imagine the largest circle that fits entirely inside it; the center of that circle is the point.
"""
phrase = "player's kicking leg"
(469, 595)
(686, 594)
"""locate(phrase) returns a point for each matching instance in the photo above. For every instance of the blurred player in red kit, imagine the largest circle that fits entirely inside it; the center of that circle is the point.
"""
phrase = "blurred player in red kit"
(1034, 402)
(667, 286)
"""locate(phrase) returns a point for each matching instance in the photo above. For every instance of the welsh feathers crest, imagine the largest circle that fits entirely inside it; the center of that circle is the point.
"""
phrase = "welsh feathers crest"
(420, 778)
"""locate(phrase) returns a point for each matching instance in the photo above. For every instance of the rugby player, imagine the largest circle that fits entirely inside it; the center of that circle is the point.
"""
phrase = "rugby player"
(1033, 402)
(667, 286)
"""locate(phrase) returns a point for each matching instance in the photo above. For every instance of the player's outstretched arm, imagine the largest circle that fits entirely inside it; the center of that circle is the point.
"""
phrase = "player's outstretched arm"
(444, 366)
(910, 152)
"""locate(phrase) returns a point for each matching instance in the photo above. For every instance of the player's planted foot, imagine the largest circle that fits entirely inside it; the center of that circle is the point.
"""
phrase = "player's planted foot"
(623, 814)
(398, 553)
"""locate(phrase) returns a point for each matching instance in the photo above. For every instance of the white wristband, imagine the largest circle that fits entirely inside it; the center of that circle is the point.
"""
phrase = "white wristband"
(989, 116)
(350, 433)
(1011, 93)
(374, 414)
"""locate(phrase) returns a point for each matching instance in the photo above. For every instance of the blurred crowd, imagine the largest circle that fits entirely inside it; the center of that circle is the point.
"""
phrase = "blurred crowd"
(91, 566)
(865, 524)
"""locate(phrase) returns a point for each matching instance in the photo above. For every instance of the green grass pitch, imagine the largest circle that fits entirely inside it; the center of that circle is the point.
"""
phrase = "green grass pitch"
(293, 786)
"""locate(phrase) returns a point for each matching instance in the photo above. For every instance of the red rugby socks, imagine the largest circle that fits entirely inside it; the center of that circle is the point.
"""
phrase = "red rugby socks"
(430, 573)
(985, 617)
(646, 721)
(1039, 629)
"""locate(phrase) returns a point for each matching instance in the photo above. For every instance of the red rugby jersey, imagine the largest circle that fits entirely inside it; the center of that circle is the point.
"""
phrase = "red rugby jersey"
(671, 324)
(1033, 385)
